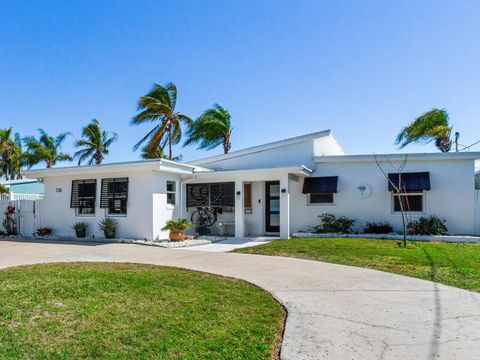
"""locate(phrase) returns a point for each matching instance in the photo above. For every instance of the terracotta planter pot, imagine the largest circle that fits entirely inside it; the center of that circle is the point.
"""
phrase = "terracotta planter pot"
(177, 235)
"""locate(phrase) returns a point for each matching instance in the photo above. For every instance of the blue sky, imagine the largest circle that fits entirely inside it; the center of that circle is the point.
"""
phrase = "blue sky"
(361, 68)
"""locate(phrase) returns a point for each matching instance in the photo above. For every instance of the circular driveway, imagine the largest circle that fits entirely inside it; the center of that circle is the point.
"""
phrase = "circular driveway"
(334, 311)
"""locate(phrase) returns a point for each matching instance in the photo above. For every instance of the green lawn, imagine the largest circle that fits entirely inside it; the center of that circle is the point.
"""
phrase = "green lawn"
(452, 264)
(128, 311)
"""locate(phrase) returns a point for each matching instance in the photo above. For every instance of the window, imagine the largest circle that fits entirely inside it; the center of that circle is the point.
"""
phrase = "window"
(247, 197)
(411, 201)
(83, 197)
(321, 199)
(114, 196)
(171, 192)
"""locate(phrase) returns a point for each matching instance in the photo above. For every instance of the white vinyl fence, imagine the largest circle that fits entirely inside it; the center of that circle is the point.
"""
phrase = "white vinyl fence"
(14, 196)
(477, 212)
(28, 215)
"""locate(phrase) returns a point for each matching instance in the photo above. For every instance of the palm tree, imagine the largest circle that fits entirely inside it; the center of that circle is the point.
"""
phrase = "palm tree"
(430, 126)
(211, 129)
(158, 153)
(158, 106)
(46, 148)
(6, 150)
(95, 144)
(19, 159)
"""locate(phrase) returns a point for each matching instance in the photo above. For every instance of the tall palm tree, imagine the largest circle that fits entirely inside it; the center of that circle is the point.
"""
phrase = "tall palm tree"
(46, 148)
(213, 128)
(95, 144)
(430, 126)
(19, 159)
(6, 149)
(158, 106)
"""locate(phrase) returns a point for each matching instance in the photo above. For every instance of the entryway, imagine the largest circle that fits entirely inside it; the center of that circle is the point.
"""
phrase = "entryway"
(272, 207)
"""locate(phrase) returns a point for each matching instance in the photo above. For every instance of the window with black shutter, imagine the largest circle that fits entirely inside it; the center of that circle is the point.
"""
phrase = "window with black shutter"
(83, 196)
(114, 196)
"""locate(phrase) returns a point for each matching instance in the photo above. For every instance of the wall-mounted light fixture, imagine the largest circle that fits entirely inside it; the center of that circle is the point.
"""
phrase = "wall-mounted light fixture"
(239, 193)
(284, 191)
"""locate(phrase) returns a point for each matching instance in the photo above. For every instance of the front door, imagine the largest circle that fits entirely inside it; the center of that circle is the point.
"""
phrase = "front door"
(272, 206)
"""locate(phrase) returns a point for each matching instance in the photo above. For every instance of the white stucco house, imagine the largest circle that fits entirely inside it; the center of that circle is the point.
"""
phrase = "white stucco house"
(277, 188)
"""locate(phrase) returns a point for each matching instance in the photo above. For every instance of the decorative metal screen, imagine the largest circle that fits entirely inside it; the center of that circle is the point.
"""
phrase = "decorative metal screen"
(211, 194)
(83, 193)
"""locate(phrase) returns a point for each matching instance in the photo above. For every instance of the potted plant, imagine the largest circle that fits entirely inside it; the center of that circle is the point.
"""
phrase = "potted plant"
(80, 229)
(177, 228)
(109, 227)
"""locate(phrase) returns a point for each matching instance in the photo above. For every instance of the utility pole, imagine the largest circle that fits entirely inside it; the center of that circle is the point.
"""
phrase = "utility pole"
(457, 135)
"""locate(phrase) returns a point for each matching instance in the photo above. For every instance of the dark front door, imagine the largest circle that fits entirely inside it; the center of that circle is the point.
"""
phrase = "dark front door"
(272, 206)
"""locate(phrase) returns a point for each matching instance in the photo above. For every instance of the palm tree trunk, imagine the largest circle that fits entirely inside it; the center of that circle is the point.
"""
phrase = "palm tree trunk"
(170, 140)
(226, 144)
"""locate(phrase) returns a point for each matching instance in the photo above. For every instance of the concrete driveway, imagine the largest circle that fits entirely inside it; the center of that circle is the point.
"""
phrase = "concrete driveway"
(334, 311)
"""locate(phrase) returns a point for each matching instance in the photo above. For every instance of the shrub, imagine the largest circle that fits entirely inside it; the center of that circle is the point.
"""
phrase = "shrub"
(377, 228)
(9, 221)
(44, 231)
(180, 224)
(108, 224)
(332, 224)
(431, 225)
(80, 226)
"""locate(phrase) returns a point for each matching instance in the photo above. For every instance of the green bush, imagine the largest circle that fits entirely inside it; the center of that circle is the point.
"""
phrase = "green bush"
(431, 225)
(332, 224)
(180, 225)
(377, 228)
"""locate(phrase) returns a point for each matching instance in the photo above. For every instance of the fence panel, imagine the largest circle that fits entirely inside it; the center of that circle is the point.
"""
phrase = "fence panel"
(477, 212)
(28, 214)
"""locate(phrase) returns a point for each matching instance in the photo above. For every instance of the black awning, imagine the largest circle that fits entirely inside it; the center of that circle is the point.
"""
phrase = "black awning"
(412, 181)
(323, 184)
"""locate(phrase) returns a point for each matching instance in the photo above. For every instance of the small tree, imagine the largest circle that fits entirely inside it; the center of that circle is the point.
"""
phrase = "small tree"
(398, 189)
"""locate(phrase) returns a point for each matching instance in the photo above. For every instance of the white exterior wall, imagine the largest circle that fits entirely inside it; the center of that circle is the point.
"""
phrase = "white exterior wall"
(146, 207)
(161, 211)
(451, 196)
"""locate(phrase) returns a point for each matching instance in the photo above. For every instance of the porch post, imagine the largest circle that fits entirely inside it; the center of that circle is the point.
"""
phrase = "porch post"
(284, 207)
(239, 210)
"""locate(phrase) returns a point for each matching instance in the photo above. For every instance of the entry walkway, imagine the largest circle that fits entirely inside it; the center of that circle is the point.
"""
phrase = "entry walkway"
(231, 244)
(334, 311)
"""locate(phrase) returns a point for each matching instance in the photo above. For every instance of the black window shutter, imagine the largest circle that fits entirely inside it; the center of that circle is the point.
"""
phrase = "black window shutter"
(83, 193)
(113, 189)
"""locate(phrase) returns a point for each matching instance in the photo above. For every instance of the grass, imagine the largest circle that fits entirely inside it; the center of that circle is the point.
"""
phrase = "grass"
(128, 311)
(448, 263)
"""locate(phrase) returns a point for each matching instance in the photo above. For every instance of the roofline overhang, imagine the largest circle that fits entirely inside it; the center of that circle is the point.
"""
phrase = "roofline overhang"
(399, 157)
(146, 165)
(300, 170)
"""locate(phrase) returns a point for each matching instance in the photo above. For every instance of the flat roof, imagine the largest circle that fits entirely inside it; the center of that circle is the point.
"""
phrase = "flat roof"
(149, 164)
(438, 156)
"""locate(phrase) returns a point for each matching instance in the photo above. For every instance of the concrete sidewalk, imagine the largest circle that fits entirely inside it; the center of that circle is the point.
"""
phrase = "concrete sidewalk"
(231, 244)
(334, 311)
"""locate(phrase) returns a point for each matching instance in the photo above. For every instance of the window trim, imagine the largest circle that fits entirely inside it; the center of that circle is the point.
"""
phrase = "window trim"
(175, 197)
(422, 193)
(333, 203)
